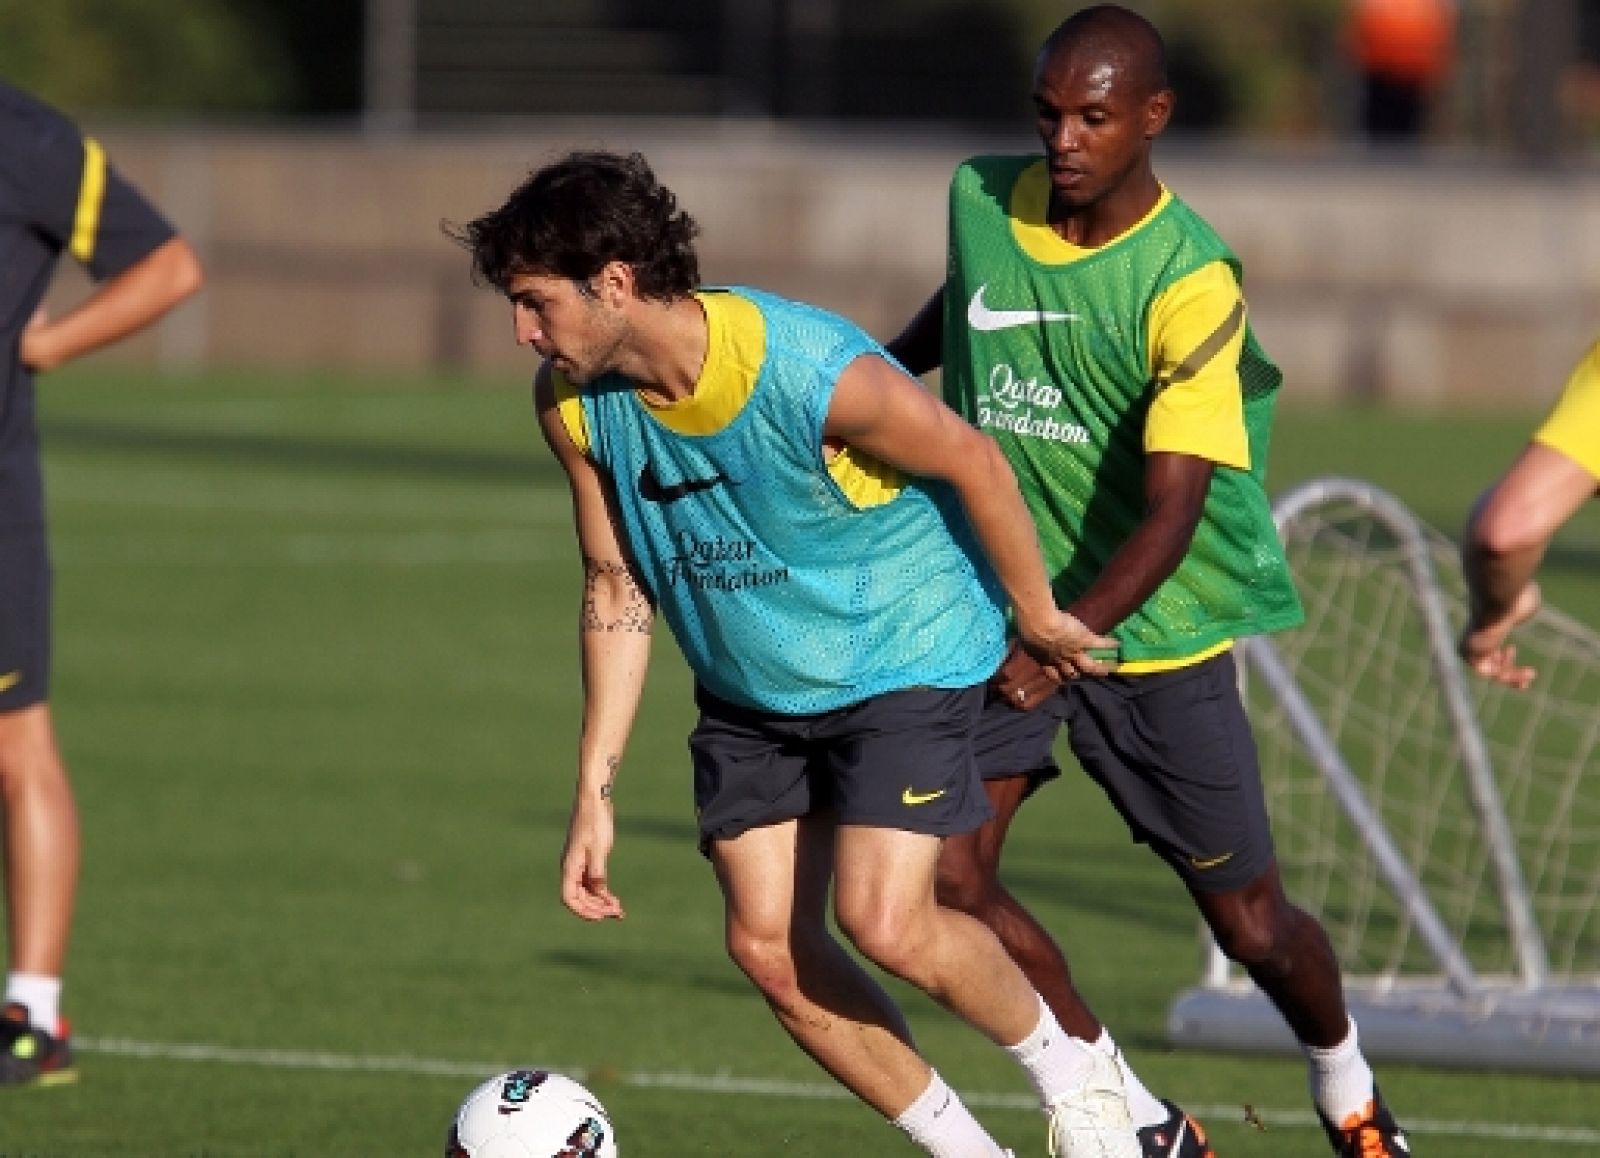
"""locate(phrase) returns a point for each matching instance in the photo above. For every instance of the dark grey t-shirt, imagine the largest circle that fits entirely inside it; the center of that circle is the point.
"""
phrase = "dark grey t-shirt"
(56, 193)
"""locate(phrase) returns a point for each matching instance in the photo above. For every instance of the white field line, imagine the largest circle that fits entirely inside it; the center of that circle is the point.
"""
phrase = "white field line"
(757, 1087)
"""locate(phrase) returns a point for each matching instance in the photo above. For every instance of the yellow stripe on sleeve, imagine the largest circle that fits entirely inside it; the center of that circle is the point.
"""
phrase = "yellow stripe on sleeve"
(570, 408)
(1573, 427)
(91, 196)
(1197, 331)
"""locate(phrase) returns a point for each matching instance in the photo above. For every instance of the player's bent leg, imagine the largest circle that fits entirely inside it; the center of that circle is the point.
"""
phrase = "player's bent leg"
(1285, 952)
(968, 880)
(884, 902)
(41, 841)
(774, 881)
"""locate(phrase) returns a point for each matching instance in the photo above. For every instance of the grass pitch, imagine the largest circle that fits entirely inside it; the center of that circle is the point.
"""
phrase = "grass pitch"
(316, 677)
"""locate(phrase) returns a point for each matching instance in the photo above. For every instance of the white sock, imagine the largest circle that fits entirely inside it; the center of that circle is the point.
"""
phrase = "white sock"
(1341, 1079)
(1145, 1108)
(39, 995)
(1057, 1063)
(941, 1124)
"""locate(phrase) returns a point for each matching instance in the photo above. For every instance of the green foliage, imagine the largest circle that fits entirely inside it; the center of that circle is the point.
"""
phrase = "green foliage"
(148, 56)
(1258, 65)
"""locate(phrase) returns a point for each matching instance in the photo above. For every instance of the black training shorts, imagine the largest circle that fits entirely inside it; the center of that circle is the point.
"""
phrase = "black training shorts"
(1012, 742)
(1173, 752)
(24, 619)
(900, 760)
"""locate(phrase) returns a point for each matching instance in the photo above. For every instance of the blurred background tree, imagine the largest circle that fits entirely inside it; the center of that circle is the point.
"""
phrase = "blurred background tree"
(1256, 66)
(1252, 66)
(1524, 70)
(188, 58)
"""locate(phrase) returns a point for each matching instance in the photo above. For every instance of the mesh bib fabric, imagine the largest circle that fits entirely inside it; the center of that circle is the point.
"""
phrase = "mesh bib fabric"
(782, 593)
(1051, 360)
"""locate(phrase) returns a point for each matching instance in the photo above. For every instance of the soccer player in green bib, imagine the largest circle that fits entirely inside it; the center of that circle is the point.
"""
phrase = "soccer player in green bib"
(1095, 327)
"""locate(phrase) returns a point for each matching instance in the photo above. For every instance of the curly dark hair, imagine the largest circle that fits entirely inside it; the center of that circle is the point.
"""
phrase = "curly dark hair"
(573, 216)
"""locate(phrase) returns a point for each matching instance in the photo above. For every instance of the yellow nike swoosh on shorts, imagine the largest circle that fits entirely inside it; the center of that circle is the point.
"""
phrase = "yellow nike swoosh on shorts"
(10, 680)
(1210, 862)
(915, 798)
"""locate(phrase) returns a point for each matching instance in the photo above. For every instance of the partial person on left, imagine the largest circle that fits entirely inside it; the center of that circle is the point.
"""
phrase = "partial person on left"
(58, 194)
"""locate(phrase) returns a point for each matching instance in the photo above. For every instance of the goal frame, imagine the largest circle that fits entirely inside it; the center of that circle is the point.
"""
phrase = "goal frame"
(1458, 1017)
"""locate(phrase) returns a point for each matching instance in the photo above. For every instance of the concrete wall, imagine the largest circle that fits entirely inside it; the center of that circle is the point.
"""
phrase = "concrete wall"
(1423, 283)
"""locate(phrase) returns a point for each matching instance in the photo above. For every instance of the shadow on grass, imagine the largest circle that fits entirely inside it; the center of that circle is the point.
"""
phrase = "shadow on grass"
(1086, 884)
(332, 454)
(677, 832)
(1152, 899)
(655, 969)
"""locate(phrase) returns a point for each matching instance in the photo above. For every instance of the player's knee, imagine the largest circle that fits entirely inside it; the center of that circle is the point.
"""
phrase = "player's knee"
(964, 886)
(16, 759)
(883, 935)
(1253, 939)
(767, 961)
(27, 748)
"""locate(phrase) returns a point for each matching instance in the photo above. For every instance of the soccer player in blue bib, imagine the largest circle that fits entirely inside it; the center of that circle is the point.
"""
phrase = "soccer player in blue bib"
(1095, 326)
(834, 551)
(58, 195)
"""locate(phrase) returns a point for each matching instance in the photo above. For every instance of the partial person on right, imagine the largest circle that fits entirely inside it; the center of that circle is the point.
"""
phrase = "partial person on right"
(1512, 523)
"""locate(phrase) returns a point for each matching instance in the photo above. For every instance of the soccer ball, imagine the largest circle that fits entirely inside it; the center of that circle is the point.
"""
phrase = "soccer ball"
(531, 1114)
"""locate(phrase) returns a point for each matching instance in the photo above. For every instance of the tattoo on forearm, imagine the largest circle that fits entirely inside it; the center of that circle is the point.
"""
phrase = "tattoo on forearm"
(612, 764)
(635, 614)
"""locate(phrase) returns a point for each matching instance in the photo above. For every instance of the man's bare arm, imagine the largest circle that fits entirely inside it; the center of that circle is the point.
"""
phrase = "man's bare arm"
(1507, 534)
(129, 302)
(1175, 488)
(614, 643)
(920, 346)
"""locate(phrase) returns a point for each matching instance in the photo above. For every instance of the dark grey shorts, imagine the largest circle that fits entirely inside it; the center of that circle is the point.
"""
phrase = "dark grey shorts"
(24, 620)
(1173, 752)
(901, 760)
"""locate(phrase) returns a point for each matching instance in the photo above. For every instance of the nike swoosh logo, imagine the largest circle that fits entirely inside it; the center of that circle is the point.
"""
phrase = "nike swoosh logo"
(916, 798)
(1177, 1142)
(651, 489)
(981, 317)
(1210, 863)
(10, 680)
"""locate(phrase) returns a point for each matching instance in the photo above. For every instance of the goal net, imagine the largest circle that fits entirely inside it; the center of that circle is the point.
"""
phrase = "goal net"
(1444, 829)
